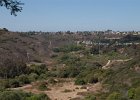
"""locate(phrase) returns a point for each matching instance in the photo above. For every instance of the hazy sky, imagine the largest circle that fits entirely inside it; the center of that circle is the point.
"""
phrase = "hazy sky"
(73, 15)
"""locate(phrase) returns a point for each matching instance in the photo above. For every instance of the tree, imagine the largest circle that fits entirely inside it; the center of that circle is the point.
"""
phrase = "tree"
(13, 5)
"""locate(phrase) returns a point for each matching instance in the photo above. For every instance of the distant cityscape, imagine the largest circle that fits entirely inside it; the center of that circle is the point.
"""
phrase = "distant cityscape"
(81, 32)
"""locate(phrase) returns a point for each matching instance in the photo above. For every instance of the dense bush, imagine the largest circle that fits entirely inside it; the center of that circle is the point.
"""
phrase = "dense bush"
(92, 79)
(42, 86)
(131, 93)
(62, 73)
(9, 83)
(38, 69)
(117, 78)
(69, 72)
(23, 79)
(43, 76)
(51, 74)
(134, 93)
(13, 83)
(88, 78)
(10, 95)
(114, 96)
(4, 84)
(39, 97)
(80, 82)
(33, 77)
(90, 97)
(90, 75)
(69, 60)
(19, 95)
(11, 68)
(137, 93)
(94, 50)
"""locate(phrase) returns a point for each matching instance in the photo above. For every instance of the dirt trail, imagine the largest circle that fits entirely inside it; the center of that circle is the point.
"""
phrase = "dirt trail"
(112, 61)
(107, 64)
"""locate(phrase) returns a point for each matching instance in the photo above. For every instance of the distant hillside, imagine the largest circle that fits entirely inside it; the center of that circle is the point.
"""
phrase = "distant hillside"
(130, 38)
(29, 47)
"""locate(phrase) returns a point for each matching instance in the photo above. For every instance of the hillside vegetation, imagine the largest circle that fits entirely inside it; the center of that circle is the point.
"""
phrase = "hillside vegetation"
(32, 66)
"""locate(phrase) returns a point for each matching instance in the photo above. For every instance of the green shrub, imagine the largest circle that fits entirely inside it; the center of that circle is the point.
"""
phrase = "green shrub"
(51, 74)
(92, 79)
(43, 76)
(80, 82)
(33, 77)
(137, 93)
(38, 97)
(114, 96)
(90, 97)
(131, 93)
(13, 67)
(23, 79)
(43, 96)
(56, 49)
(14, 83)
(70, 60)
(4, 84)
(68, 72)
(34, 97)
(39, 69)
(112, 54)
(94, 50)
(19, 95)
(42, 86)
(8, 95)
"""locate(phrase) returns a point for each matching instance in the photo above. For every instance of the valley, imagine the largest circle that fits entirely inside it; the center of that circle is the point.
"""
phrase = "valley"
(69, 66)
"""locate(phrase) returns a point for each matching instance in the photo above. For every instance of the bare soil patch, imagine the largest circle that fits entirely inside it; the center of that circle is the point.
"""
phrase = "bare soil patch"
(62, 91)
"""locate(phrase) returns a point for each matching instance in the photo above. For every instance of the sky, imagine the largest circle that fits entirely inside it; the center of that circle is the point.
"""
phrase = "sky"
(74, 15)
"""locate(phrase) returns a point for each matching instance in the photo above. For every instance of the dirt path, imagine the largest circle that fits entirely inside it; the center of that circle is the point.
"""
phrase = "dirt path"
(107, 64)
(112, 61)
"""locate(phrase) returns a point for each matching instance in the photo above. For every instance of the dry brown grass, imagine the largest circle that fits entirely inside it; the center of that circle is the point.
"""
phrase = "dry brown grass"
(63, 91)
